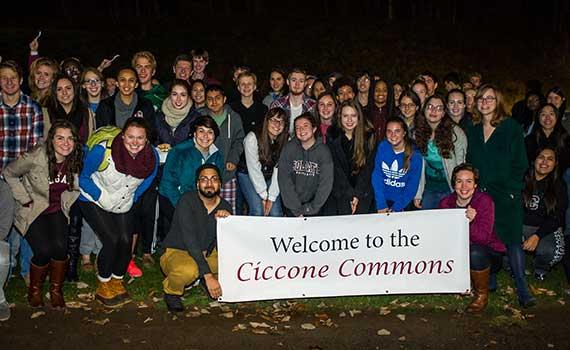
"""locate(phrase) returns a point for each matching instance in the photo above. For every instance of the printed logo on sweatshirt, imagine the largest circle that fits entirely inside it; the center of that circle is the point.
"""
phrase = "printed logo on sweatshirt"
(533, 203)
(393, 173)
(306, 168)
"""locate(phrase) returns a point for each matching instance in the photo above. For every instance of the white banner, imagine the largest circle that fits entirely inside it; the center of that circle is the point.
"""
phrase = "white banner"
(274, 258)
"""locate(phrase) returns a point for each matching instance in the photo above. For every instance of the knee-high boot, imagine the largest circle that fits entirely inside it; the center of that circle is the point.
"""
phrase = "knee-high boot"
(57, 270)
(37, 277)
(480, 280)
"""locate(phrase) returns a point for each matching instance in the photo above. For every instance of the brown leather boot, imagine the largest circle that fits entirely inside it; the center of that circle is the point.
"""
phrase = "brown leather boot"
(107, 295)
(37, 277)
(480, 281)
(56, 278)
(119, 289)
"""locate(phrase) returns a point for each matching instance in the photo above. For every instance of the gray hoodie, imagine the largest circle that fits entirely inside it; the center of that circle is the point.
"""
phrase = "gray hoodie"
(230, 140)
(305, 177)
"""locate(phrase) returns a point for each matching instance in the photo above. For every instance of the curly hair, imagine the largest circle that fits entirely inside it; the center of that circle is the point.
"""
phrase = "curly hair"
(443, 133)
(74, 160)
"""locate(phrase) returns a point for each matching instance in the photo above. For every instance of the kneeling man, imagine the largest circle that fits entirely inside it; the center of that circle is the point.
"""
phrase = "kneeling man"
(191, 251)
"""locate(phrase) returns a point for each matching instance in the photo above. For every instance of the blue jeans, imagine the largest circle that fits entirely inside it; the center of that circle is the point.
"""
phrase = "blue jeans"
(431, 199)
(516, 258)
(16, 240)
(253, 199)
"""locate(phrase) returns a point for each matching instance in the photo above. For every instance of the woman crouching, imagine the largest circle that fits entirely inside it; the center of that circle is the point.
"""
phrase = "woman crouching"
(45, 184)
(108, 194)
(485, 248)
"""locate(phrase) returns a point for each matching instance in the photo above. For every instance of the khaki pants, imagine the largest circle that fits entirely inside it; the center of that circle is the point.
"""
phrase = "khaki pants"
(181, 269)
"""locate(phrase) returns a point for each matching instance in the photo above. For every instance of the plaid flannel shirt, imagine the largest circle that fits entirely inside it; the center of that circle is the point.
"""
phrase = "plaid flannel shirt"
(308, 105)
(21, 128)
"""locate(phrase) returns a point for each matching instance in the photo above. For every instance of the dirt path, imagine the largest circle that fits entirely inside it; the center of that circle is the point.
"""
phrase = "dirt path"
(133, 327)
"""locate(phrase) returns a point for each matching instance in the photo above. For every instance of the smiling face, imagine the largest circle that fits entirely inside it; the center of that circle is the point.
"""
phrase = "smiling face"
(127, 81)
(64, 92)
(363, 83)
(431, 84)
(198, 93)
(326, 107)
(345, 93)
(182, 70)
(199, 64)
(304, 131)
(63, 143)
(179, 96)
(465, 185)
(277, 81)
(92, 84)
(487, 103)
(318, 88)
(456, 104)
(408, 107)
(544, 164)
(145, 70)
(275, 126)
(246, 86)
(395, 134)
(9, 82)
(555, 99)
(43, 77)
(348, 119)
(209, 183)
(398, 89)
(204, 137)
(380, 94)
(547, 118)
(134, 139)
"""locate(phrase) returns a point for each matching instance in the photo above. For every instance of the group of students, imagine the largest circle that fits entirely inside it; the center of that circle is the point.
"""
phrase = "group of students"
(311, 147)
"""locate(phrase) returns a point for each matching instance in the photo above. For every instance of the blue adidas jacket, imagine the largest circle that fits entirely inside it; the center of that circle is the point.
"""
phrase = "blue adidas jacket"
(391, 182)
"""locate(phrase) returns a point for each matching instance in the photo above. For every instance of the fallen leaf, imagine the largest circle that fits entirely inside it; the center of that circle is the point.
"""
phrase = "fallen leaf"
(227, 314)
(156, 300)
(405, 304)
(204, 311)
(424, 319)
(322, 316)
(37, 314)
(402, 338)
(384, 311)
(215, 304)
(395, 301)
(142, 305)
(401, 317)
(286, 318)
(86, 296)
(322, 305)
(102, 322)
(174, 318)
(550, 293)
(342, 314)
(131, 280)
(193, 314)
(354, 312)
(148, 319)
(493, 342)
(550, 345)
(383, 331)
(308, 326)
(126, 341)
(259, 325)
(561, 302)
(259, 331)
(239, 327)
(82, 285)
(75, 304)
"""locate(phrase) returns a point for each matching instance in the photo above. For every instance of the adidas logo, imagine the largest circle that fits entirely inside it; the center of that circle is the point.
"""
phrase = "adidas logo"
(392, 174)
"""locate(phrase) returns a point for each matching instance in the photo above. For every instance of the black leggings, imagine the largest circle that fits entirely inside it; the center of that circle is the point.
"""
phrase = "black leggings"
(145, 214)
(116, 233)
(47, 236)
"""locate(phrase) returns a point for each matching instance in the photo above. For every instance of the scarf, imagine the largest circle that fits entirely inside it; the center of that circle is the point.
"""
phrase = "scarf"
(172, 115)
(140, 167)
(123, 111)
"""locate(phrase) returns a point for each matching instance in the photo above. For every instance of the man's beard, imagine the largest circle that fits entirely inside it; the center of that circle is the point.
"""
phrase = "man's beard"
(209, 193)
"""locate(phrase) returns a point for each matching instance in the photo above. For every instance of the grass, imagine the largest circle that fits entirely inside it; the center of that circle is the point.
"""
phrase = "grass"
(149, 286)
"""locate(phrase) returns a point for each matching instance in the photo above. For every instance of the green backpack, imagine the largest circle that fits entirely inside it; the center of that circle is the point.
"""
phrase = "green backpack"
(107, 134)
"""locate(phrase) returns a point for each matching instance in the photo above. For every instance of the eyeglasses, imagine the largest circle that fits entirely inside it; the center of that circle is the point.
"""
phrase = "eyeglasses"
(439, 108)
(407, 105)
(277, 121)
(205, 179)
(487, 99)
(92, 82)
(456, 103)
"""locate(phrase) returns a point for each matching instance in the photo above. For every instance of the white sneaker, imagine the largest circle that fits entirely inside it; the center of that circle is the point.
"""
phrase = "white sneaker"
(190, 286)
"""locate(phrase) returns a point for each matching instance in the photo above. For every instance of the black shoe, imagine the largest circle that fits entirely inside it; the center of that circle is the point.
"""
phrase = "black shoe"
(173, 303)
(528, 303)
(540, 276)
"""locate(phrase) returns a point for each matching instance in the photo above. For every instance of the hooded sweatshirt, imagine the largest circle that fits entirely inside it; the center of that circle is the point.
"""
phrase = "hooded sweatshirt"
(305, 177)
(230, 140)
(391, 181)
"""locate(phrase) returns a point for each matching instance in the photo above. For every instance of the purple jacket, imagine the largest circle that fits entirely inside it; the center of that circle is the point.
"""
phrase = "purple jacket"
(481, 230)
